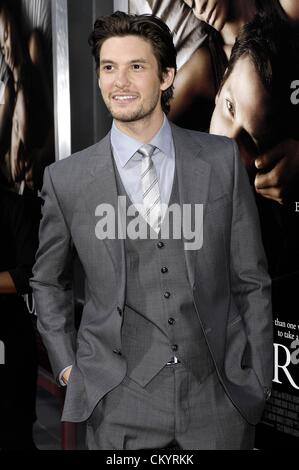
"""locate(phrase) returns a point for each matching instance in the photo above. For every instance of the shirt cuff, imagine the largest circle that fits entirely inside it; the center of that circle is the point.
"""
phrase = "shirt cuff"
(62, 383)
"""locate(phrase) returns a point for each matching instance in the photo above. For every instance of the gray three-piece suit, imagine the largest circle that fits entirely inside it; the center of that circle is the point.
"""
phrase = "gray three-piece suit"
(148, 300)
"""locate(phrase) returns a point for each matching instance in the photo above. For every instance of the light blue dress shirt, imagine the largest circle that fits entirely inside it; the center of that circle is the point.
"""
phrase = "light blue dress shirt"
(128, 162)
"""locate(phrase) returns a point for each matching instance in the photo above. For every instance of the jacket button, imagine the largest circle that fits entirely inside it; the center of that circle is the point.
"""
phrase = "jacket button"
(164, 270)
(119, 311)
(166, 295)
(174, 347)
(117, 351)
(160, 244)
(171, 321)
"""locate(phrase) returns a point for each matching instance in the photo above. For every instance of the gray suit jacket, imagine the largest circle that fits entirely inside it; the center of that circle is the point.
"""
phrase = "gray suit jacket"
(228, 275)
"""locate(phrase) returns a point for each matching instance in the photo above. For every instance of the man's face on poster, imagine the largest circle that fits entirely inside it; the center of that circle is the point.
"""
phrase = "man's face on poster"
(242, 112)
(8, 39)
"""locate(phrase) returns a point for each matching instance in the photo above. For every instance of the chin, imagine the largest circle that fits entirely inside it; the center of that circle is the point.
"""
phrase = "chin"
(129, 116)
(123, 117)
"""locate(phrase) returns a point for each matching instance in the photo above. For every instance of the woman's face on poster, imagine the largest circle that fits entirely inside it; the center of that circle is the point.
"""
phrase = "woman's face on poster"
(8, 39)
(18, 155)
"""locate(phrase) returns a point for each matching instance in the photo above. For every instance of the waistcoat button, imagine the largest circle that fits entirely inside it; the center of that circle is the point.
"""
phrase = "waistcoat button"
(117, 351)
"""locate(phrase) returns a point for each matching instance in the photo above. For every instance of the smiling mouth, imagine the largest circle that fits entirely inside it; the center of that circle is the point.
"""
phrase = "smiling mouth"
(124, 98)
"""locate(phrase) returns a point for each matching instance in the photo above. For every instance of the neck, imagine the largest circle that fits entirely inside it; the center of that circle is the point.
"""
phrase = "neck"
(240, 13)
(144, 129)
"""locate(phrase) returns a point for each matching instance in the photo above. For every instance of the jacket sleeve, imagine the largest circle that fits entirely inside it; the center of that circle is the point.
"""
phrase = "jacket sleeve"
(52, 281)
(250, 281)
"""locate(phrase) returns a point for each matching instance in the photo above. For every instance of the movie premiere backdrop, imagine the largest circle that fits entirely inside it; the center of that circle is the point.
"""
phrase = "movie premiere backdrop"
(280, 423)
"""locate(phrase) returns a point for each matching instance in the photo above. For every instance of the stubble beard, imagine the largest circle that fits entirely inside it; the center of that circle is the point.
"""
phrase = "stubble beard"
(142, 111)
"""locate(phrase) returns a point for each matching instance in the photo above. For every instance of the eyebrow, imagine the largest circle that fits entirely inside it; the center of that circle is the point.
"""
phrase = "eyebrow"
(139, 61)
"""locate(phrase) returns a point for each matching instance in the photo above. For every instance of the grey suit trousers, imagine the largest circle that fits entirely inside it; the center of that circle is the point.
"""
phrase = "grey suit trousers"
(172, 407)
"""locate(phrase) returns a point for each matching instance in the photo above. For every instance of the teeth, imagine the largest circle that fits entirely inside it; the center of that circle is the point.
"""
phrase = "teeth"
(123, 97)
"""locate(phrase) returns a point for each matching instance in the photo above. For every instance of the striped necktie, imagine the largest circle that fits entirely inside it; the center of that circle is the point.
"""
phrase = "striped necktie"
(150, 188)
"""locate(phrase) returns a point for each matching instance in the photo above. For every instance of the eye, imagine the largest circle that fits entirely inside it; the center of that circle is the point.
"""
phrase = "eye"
(230, 107)
(108, 68)
(137, 67)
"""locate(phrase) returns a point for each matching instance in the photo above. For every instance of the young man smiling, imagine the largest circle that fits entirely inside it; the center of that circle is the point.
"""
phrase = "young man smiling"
(174, 346)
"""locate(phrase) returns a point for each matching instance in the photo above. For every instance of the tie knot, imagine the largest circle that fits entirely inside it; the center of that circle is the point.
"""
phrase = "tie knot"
(147, 150)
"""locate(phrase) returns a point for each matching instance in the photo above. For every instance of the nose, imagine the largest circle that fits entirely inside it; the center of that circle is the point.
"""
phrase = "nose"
(220, 126)
(122, 79)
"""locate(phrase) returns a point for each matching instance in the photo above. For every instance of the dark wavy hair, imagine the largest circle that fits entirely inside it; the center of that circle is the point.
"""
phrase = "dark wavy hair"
(148, 27)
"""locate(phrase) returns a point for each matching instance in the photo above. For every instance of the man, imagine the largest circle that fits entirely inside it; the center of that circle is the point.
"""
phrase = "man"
(254, 107)
(175, 344)
(18, 367)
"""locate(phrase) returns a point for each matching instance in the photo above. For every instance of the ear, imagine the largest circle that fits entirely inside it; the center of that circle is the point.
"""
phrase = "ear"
(99, 82)
(168, 79)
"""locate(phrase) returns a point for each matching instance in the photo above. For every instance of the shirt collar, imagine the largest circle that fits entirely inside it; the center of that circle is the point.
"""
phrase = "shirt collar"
(124, 147)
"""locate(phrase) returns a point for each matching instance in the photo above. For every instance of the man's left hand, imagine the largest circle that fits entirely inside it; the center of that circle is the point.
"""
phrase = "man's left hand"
(279, 171)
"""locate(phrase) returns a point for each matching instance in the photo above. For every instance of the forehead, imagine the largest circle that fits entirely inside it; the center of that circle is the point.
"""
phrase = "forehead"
(249, 95)
(122, 48)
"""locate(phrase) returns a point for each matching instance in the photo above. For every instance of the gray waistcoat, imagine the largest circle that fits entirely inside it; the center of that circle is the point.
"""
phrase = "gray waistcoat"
(160, 320)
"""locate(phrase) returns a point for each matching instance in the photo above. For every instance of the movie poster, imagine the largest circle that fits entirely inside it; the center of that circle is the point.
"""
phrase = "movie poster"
(26, 94)
(203, 102)
(26, 99)
(26, 148)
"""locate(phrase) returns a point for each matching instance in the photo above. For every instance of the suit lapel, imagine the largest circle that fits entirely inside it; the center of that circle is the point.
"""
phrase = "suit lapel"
(193, 175)
(101, 188)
